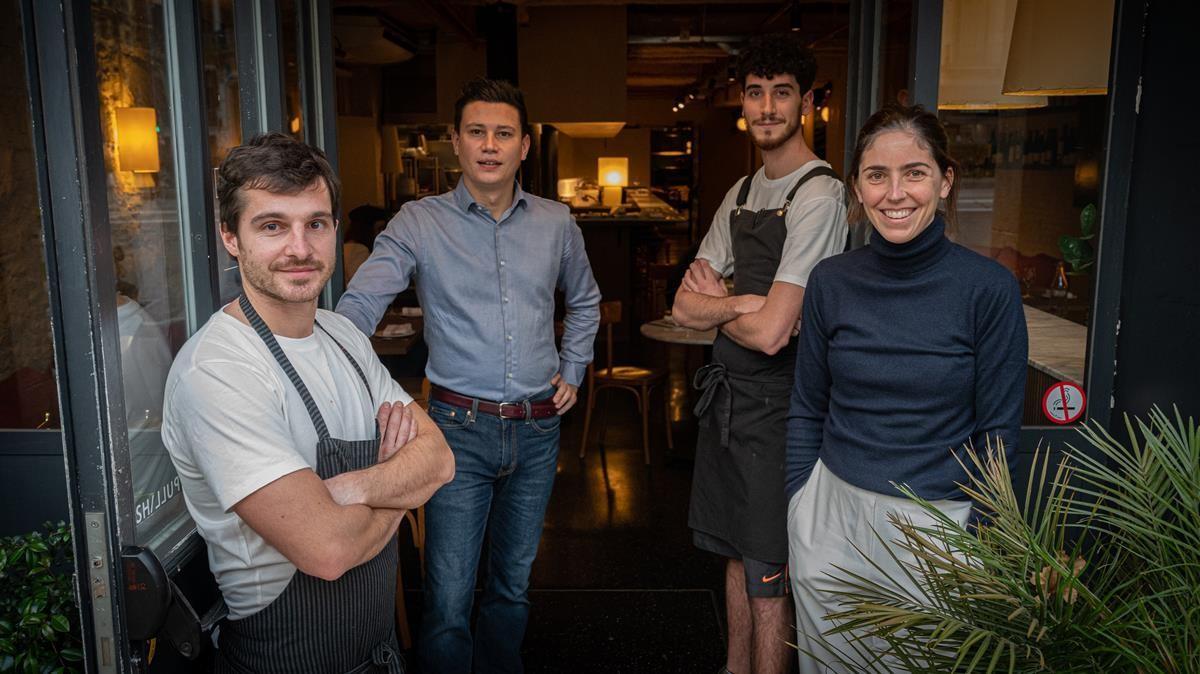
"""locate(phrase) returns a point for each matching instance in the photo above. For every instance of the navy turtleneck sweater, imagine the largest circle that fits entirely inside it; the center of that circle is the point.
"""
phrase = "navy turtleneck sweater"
(906, 352)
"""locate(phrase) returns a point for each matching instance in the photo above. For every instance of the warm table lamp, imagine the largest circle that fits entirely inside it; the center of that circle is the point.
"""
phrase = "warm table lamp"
(614, 175)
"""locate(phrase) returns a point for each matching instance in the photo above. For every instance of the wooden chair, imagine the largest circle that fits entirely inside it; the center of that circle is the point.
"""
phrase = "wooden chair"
(637, 380)
(416, 525)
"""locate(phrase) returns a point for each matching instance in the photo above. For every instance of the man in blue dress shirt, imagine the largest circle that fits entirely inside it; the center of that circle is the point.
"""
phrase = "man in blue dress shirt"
(486, 259)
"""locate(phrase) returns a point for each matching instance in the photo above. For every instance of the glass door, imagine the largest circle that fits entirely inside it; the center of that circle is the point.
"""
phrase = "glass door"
(107, 152)
(146, 234)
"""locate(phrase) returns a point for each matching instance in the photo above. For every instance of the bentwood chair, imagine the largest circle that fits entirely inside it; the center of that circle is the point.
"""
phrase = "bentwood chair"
(637, 380)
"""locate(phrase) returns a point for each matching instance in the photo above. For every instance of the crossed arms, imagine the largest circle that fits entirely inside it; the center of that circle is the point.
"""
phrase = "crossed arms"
(760, 323)
(327, 527)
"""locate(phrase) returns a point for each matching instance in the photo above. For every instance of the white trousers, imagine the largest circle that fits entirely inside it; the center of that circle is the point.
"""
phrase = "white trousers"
(827, 518)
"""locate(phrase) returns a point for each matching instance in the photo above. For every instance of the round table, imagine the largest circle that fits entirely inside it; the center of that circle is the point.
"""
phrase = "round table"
(666, 330)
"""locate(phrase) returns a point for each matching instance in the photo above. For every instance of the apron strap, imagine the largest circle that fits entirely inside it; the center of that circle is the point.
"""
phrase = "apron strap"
(743, 194)
(707, 380)
(817, 171)
(353, 363)
(384, 658)
(260, 326)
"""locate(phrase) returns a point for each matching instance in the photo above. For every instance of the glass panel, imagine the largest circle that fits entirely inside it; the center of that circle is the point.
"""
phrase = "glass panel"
(895, 52)
(219, 58)
(289, 37)
(146, 234)
(1029, 186)
(28, 393)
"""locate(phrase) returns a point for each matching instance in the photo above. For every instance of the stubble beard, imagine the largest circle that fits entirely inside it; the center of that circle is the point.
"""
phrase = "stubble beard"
(769, 144)
(271, 284)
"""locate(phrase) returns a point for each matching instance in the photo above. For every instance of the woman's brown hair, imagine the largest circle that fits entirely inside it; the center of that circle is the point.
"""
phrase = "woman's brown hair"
(925, 127)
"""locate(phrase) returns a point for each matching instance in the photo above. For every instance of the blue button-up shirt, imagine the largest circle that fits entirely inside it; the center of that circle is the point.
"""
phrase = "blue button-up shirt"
(486, 288)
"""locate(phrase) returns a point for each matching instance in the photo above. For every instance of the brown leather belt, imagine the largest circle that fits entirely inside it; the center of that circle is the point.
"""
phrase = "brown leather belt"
(540, 409)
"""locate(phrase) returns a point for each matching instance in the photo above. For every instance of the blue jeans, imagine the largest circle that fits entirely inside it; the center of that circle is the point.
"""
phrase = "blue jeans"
(504, 471)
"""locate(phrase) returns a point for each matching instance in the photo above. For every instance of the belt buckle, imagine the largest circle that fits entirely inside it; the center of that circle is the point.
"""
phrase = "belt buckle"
(519, 414)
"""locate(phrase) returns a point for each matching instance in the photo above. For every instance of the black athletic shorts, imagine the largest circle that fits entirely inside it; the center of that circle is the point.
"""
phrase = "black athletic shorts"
(763, 579)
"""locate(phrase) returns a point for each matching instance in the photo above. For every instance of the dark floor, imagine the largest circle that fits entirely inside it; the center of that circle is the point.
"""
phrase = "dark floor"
(617, 585)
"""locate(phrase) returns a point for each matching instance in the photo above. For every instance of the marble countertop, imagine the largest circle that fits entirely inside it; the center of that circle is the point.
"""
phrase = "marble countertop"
(1057, 346)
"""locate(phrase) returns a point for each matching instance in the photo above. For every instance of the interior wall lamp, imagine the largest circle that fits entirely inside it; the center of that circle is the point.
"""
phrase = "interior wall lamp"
(137, 140)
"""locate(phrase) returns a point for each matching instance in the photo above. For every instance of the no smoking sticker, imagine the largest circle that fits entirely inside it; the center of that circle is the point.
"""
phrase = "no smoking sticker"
(1064, 402)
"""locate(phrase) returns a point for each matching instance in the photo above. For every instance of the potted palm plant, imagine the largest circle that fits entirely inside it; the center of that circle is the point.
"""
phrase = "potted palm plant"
(1096, 570)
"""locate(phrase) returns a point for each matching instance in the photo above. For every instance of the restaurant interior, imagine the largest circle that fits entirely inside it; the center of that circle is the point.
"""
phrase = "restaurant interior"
(636, 125)
(635, 114)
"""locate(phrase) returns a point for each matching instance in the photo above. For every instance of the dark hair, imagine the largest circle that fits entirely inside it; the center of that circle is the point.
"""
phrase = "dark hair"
(491, 91)
(778, 54)
(274, 162)
(925, 127)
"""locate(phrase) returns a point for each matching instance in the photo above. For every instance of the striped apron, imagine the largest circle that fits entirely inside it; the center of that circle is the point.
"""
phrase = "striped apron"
(317, 625)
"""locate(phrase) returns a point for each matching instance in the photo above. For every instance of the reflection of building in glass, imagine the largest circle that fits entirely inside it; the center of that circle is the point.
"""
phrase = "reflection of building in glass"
(145, 361)
(147, 245)
(27, 386)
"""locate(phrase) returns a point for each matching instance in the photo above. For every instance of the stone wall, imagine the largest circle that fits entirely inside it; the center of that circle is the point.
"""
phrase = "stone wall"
(24, 305)
(143, 207)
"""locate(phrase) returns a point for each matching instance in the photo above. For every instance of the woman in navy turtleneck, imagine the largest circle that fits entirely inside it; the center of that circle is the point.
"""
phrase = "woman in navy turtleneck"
(910, 348)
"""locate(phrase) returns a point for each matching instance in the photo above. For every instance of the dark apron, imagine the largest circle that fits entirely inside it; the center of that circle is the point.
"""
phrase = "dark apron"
(317, 625)
(738, 489)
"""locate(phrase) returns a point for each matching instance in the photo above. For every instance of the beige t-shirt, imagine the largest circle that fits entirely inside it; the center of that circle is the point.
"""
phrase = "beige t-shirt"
(233, 423)
(816, 222)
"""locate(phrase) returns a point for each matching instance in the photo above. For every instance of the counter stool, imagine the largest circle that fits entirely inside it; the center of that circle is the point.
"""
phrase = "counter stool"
(637, 380)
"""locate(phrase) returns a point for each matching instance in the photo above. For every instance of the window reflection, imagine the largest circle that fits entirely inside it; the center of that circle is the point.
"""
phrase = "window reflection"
(223, 107)
(291, 63)
(146, 242)
(219, 62)
(1029, 184)
(895, 52)
(28, 393)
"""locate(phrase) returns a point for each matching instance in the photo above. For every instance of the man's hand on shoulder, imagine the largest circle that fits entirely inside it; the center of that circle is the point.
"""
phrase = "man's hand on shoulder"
(565, 396)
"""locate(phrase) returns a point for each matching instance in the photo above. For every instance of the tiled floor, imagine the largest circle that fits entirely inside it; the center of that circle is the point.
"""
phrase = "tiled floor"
(617, 585)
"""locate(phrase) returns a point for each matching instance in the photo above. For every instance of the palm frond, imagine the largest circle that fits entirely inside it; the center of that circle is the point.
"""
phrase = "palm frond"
(1096, 569)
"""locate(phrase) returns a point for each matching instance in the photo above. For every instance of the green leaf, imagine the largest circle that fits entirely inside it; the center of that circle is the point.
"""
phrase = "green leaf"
(71, 654)
(60, 623)
(1087, 220)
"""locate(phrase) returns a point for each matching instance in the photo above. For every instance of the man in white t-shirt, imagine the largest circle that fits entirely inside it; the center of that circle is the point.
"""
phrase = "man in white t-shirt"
(771, 230)
(297, 452)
